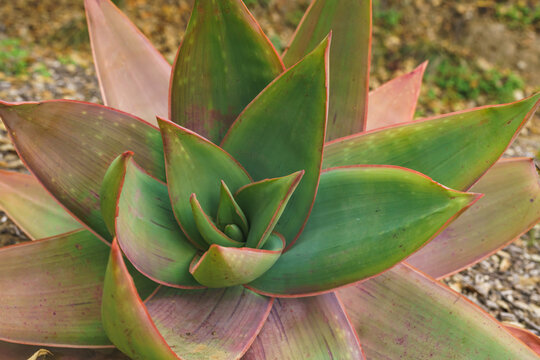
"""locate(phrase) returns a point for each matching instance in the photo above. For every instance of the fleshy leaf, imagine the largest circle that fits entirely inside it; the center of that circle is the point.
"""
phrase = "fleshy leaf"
(125, 318)
(229, 212)
(69, 145)
(365, 220)
(263, 203)
(133, 75)
(394, 102)
(227, 266)
(30, 206)
(19, 352)
(51, 291)
(196, 166)
(350, 23)
(527, 337)
(176, 323)
(454, 149)
(224, 61)
(282, 131)
(208, 230)
(217, 324)
(404, 314)
(146, 229)
(110, 190)
(510, 207)
(308, 328)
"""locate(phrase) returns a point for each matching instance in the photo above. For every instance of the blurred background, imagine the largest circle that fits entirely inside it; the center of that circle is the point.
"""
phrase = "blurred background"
(480, 52)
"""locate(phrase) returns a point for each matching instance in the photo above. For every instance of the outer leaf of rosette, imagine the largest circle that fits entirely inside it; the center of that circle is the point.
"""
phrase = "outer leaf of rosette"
(68, 146)
(263, 203)
(195, 165)
(31, 207)
(178, 323)
(224, 61)
(138, 206)
(229, 212)
(282, 131)
(454, 149)
(225, 266)
(208, 229)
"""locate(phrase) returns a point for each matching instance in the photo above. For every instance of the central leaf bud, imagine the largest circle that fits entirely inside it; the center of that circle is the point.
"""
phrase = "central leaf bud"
(242, 244)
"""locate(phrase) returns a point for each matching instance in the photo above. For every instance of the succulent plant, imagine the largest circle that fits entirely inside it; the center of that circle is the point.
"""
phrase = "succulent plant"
(206, 217)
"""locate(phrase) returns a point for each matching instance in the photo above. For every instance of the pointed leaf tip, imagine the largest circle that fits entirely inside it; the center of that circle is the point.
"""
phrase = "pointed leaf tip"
(133, 75)
(111, 187)
(224, 61)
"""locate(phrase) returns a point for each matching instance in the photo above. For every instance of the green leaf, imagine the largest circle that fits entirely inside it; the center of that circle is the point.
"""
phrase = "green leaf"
(282, 131)
(197, 324)
(227, 266)
(110, 190)
(224, 61)
(365, 220)
(350, 23)
(133, 75)
(69, 145)
(394, 102)
(51, 291)
(229, 212)
(404, 314)
(510, 207)
(29, 205)
(146, 229)
(125, 318)
(196, 166)
(307, 328)
(454, 149)
(208, 230)
(263, 203)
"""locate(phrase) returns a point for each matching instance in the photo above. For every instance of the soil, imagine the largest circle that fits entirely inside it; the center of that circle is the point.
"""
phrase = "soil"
(59, 65)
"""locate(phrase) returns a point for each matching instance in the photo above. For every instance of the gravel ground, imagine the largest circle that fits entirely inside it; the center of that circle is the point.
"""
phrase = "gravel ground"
(506, 284)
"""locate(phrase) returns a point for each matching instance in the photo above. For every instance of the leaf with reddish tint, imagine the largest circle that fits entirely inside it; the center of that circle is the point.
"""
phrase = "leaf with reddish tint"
(365, 220)
(224, 61)
(197, 324)
(29, 205)
(227, 266)
(510, 207)
(350, 23)
(146, 229)
(405, 314)
(125, 318)
(196, 166)
(394, 102)
(308, 328)
(69, 145)
(51, 291)
(217, 324)
(282, 131)
(263, 202)
(19, 352)
(454, 149)
(531, 340)
(208, 229)
(133, 75)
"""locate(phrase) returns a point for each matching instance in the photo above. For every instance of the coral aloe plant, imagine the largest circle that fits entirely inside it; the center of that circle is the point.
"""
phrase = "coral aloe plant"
(202, 215)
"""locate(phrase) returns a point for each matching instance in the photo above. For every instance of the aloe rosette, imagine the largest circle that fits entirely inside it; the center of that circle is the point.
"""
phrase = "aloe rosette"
(202, 215)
